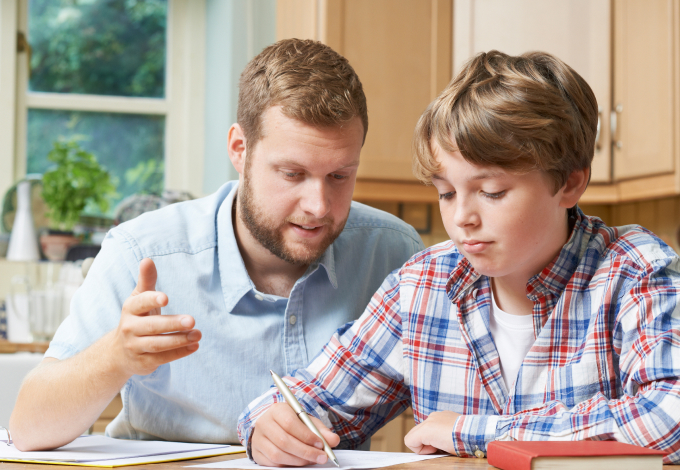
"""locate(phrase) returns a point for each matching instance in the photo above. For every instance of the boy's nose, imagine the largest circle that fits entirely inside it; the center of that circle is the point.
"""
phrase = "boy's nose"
(465, 214)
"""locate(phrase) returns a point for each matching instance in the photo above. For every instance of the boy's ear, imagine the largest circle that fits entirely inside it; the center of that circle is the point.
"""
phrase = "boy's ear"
(237, 147)
(574, 188)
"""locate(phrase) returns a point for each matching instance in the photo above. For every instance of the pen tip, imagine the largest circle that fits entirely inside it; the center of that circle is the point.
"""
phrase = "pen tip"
(335, 461)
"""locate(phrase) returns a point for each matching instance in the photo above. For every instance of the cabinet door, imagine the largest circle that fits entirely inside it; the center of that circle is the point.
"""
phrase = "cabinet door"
(401, 50)
(576, 31)
(643, 70)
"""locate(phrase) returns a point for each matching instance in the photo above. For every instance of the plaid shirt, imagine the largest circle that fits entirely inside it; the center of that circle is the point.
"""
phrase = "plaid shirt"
(605, 363)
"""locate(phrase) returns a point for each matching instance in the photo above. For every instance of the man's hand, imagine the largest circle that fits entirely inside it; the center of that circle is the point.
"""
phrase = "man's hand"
(280, 438)
(145, 339)
(433, 434)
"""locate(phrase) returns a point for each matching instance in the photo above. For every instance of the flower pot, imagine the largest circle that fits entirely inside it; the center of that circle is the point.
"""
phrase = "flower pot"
(55, 244)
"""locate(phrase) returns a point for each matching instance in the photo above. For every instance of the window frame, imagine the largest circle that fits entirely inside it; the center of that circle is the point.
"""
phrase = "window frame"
(183, 105)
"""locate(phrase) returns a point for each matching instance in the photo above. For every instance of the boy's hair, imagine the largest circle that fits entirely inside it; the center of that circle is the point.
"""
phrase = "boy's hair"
(310, 81)
(518, 113)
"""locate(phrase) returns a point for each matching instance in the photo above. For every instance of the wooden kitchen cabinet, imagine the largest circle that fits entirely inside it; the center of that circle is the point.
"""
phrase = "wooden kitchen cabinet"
(577, 31)
(402, 51)
(405, 51)
(642, 113)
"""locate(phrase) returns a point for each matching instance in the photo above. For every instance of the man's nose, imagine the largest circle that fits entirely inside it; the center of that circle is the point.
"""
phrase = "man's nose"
(316, 199)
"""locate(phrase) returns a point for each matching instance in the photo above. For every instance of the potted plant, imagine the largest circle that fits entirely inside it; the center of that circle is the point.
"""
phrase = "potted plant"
(75, 181)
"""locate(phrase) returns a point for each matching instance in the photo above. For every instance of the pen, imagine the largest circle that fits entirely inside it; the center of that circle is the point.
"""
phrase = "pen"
(302, 414)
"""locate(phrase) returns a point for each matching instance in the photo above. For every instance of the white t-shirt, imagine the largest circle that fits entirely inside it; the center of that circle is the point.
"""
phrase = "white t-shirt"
(514, 336)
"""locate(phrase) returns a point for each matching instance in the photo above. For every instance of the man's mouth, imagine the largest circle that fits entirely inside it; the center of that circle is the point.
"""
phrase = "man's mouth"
(306, 230)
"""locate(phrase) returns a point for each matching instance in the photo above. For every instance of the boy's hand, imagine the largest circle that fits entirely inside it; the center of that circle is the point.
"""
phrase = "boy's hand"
(433, 434)
(145, 339)
(280, 438)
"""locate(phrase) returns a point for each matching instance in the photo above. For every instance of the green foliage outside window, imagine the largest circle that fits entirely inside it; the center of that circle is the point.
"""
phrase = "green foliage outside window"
(101, 47)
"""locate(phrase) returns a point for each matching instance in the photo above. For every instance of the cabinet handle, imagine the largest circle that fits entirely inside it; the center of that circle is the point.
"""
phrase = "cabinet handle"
(598, 133)
(614, 124)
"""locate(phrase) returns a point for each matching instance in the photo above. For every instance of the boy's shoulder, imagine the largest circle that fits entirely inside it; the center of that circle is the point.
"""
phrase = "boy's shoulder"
(632, 244)
(442, 257)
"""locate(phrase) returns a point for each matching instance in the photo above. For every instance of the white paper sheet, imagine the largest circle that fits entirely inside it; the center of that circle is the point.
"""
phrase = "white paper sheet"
(355, 459)
(103, 451)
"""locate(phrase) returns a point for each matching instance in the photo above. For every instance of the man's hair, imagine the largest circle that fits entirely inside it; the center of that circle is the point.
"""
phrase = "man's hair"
(310, 81)
(531, 112)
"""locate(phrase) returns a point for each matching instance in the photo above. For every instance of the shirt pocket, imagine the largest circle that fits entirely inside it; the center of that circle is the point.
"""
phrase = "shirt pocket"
(573, 383)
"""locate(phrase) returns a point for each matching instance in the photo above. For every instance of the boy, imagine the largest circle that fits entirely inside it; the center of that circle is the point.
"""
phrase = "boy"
(535, 322)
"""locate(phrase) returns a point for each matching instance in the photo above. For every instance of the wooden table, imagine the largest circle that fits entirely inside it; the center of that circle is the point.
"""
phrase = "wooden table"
(444, 463)
(9, 348)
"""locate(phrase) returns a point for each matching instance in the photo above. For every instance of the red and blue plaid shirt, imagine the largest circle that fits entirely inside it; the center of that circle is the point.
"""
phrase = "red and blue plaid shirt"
(605, 363)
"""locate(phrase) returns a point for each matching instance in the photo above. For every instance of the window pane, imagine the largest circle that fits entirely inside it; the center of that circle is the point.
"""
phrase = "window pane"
(130, 146)
(101, 47)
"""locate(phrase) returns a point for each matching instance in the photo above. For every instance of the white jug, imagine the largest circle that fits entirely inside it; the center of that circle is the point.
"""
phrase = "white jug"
(23, 244)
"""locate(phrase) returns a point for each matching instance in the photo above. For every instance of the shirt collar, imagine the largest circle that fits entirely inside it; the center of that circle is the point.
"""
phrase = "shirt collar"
(234, 277)
(554, 277)
(233, 274)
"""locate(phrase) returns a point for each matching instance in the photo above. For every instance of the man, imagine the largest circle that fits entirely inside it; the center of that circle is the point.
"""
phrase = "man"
(260, 273)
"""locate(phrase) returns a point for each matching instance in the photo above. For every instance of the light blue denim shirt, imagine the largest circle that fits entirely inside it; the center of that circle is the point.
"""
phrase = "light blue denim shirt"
(245, 333)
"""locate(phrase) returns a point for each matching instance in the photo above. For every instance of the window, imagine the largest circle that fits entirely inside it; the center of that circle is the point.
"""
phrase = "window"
(125, 77)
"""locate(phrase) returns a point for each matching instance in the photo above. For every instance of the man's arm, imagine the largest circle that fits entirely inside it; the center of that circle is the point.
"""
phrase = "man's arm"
(646, 414)
(354, 386)
(60, 400)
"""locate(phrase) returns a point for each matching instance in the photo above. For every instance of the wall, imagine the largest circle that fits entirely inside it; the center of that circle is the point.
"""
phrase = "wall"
(236, 31)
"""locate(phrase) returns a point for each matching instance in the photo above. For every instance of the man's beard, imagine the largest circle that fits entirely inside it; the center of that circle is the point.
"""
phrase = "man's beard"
(270, 235)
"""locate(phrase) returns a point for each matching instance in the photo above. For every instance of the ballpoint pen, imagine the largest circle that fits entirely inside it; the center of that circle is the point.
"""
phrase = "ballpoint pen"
(302, 414)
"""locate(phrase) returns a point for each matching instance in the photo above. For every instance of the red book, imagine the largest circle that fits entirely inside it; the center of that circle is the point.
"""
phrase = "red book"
(580, 455)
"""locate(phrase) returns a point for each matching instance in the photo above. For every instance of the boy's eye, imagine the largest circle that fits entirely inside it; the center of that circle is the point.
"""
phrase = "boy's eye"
(291, 174)
(494, 195)
(447, 196)
(338, 176)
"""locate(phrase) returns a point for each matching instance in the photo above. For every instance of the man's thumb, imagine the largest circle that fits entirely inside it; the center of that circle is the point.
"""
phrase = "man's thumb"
(147, 276)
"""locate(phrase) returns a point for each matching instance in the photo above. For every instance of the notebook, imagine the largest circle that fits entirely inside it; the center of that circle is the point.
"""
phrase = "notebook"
(101, 451)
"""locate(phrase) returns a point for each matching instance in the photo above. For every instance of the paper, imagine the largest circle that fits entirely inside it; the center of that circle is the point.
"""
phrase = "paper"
(100, 451)
(347, 459)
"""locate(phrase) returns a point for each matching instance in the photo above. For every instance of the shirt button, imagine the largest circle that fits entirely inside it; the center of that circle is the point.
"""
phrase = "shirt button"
(259, 297)
(474, 294)
(479, 454)
(292, 319)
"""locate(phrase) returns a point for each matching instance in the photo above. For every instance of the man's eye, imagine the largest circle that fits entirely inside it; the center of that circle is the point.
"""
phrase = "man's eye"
(339, 177)
(447, 196)
(290, 174)
(494, 195)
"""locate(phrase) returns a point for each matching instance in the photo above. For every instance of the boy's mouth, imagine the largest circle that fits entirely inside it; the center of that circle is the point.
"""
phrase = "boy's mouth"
(475, 246)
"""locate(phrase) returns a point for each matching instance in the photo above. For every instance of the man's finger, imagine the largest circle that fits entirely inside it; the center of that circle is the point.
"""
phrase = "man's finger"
(144, 302)
(174, 354)
(159, 325)
(147, 277)
(162, 343)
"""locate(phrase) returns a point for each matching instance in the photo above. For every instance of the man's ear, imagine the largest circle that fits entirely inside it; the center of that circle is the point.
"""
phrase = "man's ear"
(237, 147)
(574, 188)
